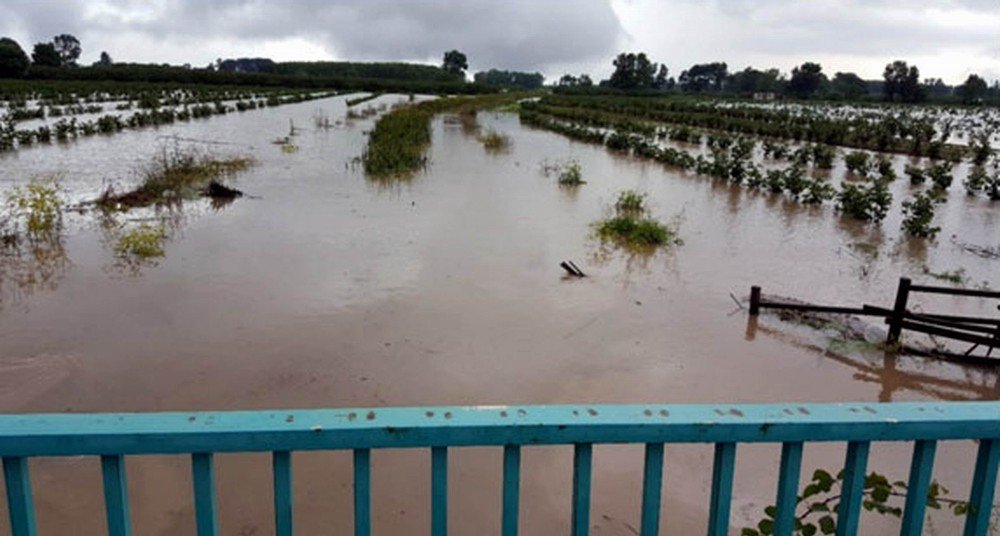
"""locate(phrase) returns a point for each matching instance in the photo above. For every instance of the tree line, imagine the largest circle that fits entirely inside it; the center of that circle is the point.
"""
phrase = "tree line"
(635, 72)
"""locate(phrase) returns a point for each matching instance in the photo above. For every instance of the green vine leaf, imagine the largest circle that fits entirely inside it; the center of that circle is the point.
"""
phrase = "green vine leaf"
(827, 525)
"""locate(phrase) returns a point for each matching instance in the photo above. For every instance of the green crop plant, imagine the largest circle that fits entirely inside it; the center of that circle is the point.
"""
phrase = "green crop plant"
(34, 209)
(571, 174)
(918, 216)
(869, 202)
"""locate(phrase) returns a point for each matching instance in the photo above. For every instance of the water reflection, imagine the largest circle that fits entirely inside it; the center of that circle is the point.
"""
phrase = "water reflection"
(31, 265)
(897, 375)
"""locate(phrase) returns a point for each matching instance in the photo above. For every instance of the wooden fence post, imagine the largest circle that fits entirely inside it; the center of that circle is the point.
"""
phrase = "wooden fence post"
(898, 311)
(754, 300)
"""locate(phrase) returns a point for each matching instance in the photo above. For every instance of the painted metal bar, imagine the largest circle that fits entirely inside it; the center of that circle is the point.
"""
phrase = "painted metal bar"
(439, 491)
(652, 486)
(20, 507)
(184, 433)
(849, 510)
(722, 489)
(362, 492)
(282, 466)
(511, 489)
(921, 466)
(582, 456)
(984, 483)
(116, 495)
(788, 488)
(203, 473)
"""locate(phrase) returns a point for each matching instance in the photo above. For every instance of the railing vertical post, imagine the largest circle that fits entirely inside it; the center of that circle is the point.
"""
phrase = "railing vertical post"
(20, 507)
(898, 311)
(849, 510)
(788, 488)
(984, 482)
(722, 489)
(439, 491)
(652, 485)
(115, 495)
(282, 465)
(921, 466)
(203, 472)
(754, 300)
(511, 489)
(362, 492)
(582, 454)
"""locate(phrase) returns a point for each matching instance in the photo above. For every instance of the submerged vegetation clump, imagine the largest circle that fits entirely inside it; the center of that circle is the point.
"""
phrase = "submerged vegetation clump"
(571, 174)
(918, 216)
(865, 202)
(34, 210)
(630, 202)
(175, 174)
(631, 226)
(397, 143)
(494, 141)
(142, 242)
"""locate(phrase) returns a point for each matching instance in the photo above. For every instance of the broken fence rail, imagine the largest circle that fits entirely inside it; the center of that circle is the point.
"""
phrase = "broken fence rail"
(979, 331)
(438, 429)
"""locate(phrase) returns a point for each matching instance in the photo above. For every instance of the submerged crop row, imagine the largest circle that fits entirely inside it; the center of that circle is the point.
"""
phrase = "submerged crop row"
(865, 197)
(898, 131)
(12, 137)
(397, 144)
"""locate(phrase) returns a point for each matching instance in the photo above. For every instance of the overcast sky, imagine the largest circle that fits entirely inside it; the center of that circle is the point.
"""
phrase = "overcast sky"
(945, 38)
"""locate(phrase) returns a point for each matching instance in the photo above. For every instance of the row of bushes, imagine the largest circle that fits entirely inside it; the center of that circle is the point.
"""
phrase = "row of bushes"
(899, 133)
(63, 130)
(869, 200)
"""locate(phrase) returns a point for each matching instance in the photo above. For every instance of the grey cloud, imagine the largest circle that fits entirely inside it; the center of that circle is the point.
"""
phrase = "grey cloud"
(858, 27)
(507, 34)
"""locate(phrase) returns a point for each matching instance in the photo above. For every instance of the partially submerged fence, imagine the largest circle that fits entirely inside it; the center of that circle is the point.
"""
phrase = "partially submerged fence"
(202, 435)
(978, 331)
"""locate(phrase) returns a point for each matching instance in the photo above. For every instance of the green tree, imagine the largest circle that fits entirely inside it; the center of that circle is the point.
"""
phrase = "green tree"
(806, 80)
(455, 62)
(68, 48)
(13, 61)
(973, 90)
(517, 79)
(902, 82)
(632, 71)
(45, 54)
(105, 60)
(848, 86)
(661, 81)
(750, 81)
(704, 77)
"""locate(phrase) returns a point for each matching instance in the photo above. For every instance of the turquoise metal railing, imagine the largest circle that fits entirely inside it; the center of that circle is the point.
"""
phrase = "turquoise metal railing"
(113, 436)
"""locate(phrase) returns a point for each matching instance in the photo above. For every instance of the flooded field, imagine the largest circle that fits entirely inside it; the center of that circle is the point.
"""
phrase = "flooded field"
(322, 288)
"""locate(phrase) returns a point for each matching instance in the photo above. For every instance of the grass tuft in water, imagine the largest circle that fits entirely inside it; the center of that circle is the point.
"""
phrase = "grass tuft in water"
(630, 202)
(571, 174)
(174, 174)
(142, 242)
(495, 141)
(632, 227)
(34, 209)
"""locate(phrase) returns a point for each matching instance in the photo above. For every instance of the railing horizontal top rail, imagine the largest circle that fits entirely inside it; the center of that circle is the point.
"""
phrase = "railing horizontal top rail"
(325, 429)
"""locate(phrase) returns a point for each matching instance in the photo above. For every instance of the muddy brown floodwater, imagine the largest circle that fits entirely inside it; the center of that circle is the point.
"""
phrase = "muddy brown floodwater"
(324, 289)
